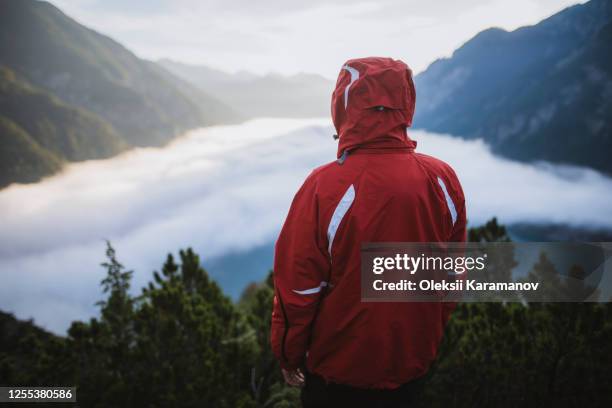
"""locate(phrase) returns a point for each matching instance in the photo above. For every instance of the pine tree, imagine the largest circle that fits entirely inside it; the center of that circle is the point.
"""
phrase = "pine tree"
(267, 383)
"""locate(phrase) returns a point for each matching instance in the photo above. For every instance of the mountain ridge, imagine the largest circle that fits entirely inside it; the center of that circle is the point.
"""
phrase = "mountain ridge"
(499, 85)
(64, 66)
(37, 141)
(270, 95)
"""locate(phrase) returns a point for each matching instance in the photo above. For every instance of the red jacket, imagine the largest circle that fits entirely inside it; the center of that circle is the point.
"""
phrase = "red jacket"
(379, 190)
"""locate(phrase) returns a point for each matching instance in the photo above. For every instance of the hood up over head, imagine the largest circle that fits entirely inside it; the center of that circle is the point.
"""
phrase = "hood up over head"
(373, 104)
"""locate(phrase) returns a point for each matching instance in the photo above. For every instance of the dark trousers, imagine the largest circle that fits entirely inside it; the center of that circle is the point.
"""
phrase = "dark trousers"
(316, 393)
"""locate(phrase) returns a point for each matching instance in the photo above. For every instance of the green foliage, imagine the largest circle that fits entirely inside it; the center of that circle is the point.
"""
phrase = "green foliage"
(492, 231)
(267, 384)
(30, 355)
(38, 132)
(21, 158)
(536, 354)
(182, 342)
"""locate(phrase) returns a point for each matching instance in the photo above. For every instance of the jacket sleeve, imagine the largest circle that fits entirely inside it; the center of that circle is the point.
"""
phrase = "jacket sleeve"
(458, 232)
(301, 271)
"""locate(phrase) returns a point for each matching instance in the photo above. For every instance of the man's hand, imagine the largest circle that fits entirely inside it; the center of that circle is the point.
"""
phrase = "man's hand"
(294, 377)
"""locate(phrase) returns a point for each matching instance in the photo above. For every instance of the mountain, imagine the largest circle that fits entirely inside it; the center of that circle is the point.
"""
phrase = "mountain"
(541, 92)
(68, 93)
(39, 132)
(301, 95)
(211, 106)
(89, 70)
(28, 352)
(235, 270)
(21, 158)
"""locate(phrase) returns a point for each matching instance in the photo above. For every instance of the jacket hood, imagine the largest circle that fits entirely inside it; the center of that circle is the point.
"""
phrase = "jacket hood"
(373, 104)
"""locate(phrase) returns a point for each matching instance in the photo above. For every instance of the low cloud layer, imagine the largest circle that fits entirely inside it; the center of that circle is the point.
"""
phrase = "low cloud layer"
(223, 189)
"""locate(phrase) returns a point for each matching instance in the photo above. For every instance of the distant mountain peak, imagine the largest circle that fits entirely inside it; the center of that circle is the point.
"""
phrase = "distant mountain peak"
(534, 93)
(271, 94)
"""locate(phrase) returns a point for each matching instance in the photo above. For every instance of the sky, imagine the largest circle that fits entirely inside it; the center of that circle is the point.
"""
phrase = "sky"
(220, 192)
(288, 37)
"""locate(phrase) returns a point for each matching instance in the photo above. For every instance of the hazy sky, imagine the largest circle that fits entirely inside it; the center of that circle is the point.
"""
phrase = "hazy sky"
(300, 36)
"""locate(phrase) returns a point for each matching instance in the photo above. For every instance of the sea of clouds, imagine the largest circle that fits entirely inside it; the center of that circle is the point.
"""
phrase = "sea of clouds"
(226, 189)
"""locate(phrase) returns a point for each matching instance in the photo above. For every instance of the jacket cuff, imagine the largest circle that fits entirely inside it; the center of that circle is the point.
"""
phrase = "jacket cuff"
(290, 365)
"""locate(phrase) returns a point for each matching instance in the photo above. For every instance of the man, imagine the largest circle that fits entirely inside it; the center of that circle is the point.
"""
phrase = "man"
(352, 353)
